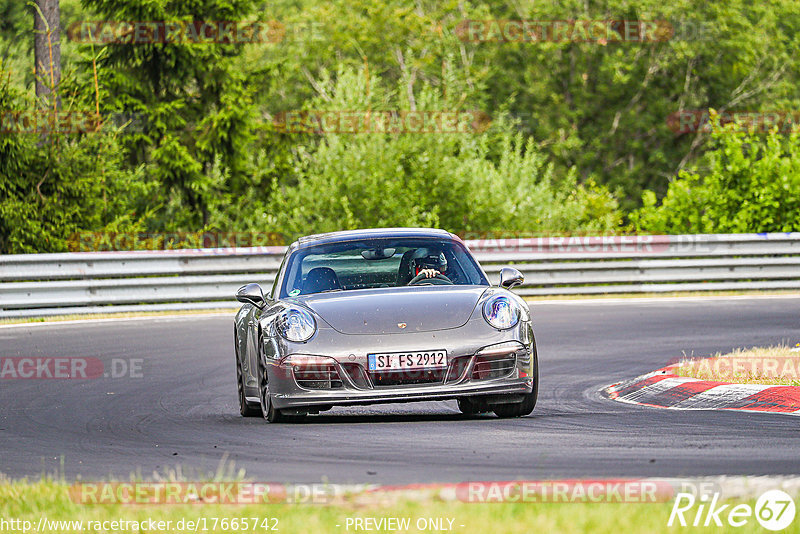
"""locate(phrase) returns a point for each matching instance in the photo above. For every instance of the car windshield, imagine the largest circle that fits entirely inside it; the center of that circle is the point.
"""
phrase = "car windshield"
(373, 263)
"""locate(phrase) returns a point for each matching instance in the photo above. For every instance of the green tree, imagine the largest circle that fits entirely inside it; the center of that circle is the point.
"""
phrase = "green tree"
(196, 100)
(51, 190)
(600, 107)
(603, 106)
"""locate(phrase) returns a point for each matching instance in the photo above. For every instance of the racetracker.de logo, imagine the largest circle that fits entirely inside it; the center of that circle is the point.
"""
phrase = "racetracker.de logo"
(176, 32)
(599, 32)
(565, 491)
(574, 244)
(134, 493)
(731, 368)
(701, 120)
(37, 121)
(68, 368)
(221, 242)
(380, 121)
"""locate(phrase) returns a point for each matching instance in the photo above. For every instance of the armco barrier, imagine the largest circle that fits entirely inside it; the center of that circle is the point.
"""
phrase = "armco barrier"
(91, 282)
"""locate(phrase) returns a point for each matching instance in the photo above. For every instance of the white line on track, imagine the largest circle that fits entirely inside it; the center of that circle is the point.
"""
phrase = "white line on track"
(658, 300)
(88, 322)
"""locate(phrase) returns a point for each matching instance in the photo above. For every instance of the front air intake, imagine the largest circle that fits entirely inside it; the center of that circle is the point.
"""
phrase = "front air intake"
(318, 377)
(488, 367)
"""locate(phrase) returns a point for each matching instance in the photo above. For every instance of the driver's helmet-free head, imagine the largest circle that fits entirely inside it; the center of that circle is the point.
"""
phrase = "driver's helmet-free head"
(429, 259)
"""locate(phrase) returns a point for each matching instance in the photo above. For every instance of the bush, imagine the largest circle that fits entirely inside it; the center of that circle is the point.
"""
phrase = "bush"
(492, 181)
(750, 183)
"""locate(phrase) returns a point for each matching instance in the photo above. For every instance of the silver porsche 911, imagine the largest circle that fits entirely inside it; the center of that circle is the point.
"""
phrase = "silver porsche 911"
(384, 315)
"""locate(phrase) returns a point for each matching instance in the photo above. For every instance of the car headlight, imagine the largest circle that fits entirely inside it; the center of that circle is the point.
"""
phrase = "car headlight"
(296, 325)
(501, 312)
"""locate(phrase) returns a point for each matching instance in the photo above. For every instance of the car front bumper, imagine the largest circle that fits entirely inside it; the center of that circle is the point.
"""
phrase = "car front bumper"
(475, 342)
(416, 393)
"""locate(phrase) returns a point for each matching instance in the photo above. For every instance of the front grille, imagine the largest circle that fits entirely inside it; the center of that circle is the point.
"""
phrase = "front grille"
(487, 367)
(318, 377)
(410, 377)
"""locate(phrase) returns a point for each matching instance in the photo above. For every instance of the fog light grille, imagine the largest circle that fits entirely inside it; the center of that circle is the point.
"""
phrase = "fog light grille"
(488, 367)
(318, 377)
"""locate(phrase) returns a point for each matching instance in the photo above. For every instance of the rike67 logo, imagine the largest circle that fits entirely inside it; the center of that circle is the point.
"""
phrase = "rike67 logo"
(774, 510)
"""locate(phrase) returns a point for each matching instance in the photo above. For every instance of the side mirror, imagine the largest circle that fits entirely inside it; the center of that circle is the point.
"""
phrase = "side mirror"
(251, 294)
(510, 277)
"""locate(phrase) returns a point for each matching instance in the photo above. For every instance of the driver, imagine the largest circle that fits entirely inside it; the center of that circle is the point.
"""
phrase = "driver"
(429, 264)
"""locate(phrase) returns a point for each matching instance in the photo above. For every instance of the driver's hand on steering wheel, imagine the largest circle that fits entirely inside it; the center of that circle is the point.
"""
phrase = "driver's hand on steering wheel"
(429, 273)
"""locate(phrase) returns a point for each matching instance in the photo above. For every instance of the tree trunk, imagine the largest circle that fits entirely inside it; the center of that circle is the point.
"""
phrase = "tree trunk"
(46, 49)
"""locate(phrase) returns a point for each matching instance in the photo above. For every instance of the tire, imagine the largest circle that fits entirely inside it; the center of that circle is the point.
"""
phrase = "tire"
(246, 409)
(268, 410)
(521, 409)
(271, 414)
(469, 406)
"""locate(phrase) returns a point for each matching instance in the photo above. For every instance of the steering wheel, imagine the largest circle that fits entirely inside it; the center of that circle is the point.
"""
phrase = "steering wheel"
(438, 280)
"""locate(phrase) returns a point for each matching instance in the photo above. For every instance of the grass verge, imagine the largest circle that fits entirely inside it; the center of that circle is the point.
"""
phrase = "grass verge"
(30, 502)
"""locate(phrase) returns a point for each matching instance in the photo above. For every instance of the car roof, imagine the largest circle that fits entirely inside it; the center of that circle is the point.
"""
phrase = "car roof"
(370, 233)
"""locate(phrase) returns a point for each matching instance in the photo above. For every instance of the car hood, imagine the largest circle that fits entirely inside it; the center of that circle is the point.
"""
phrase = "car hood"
(386, 310)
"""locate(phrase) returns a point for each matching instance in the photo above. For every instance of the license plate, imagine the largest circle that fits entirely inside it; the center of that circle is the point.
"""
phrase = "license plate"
(398, 361)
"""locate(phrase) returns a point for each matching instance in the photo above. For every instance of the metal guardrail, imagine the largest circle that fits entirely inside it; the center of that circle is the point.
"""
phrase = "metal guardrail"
(92, 282)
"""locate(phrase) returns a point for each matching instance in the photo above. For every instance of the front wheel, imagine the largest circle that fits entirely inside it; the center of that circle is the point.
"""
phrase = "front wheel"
(521, 409)
(246, 409)
(469, 406)
(271, 414)
(268, 410)
(518, 409)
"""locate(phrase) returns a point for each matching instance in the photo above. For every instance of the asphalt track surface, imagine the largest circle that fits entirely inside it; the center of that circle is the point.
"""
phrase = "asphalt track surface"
(182, 411)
